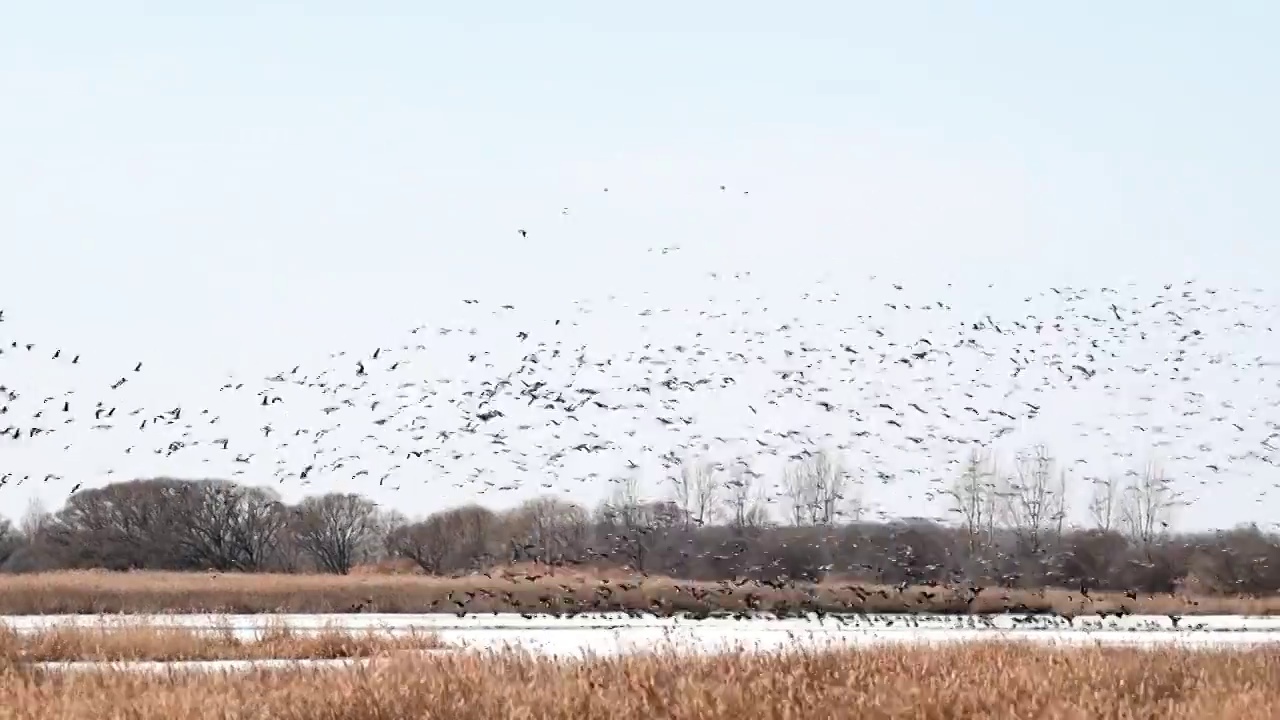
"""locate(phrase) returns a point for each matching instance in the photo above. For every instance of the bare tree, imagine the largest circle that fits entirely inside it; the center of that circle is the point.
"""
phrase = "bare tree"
(425, 543)
(11, 539)
(695, 491)
(337, 530)
(800, 488)
(706, 497)
(225, 526)
(626, 500)
(744, 498)
(548, 530)
(390, 522)
(973, 496)
(1033, 501)
(456, 539)
(475, 531)
(1147, 504)
(35, 518)
(854, 501)
(814, 489)
(1104, 503)
(631, 524)
(833, 481)
(119, 526)
(682, 487)
(175, 525)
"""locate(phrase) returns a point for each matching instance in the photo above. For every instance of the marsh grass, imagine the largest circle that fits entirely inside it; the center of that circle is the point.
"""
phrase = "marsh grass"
(112, 643)
(1004, 681)
(545, 589)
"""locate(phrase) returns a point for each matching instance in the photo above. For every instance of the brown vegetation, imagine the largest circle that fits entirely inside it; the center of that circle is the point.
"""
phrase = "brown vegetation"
(715, 524)
(535, 589)
(976, 681)
(167, 644)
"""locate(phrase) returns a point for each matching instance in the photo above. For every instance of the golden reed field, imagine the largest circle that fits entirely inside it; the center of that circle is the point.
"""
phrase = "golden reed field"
(535, 589)
(994, 681)
(168, 644)
(991, 680)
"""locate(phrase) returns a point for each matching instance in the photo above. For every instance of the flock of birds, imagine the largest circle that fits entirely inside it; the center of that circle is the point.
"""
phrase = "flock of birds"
(902, 389)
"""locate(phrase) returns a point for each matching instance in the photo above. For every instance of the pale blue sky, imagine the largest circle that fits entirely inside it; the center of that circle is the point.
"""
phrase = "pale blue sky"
(236, 190)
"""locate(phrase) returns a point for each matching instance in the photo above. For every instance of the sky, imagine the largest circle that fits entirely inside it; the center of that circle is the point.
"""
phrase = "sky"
(247, 190)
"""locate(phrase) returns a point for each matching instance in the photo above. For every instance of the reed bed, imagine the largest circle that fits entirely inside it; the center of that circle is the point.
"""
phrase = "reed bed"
(1004, 681)
(169, 644)
(549, 589)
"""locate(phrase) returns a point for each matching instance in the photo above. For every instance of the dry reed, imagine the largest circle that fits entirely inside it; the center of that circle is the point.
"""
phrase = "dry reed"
(1004, 681)
(158, 643)
(546, 589)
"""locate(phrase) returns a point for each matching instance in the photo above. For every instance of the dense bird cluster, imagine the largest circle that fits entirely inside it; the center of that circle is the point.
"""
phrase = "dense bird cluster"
(903, 390)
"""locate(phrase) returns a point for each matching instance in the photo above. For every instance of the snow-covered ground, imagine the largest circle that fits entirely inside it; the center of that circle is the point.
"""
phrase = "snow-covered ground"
(608, 634)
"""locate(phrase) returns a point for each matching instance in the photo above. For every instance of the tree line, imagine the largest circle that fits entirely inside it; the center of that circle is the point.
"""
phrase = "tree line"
(713, 521)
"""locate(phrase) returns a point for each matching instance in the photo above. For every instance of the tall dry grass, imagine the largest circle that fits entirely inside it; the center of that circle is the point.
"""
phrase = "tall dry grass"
(167, 644)
(545, 589)
(1005, 682)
